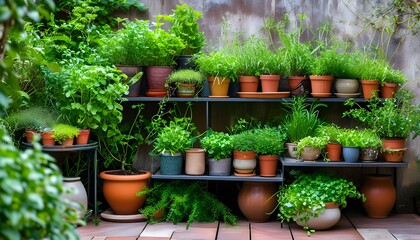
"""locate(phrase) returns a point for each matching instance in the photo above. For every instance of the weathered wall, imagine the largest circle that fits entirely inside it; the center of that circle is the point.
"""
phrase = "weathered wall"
(347, 17)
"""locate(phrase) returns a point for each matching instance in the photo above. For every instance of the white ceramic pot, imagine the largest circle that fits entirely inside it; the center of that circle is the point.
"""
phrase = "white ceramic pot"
(325, 220)
(310, 153)
(343, 85)
(75, 192)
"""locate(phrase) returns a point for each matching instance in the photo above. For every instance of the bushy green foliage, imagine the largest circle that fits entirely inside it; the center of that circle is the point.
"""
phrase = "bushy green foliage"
(315, 142)
(252, 56)
(35, 117)
(348, 65)
(184, 201)
(244, 141)
(220, 64)
(301, 118)
(326, 62)
(370, 139)
(306, 196)
(218, 145)
(31, 186)
(350, 138)
(331, 131)
(184, 24)
(186, 76)
(269, 141)
(298, 56)
(64, 131)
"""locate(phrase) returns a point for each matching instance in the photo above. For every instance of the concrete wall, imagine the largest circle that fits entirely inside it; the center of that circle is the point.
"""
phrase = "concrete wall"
(349, 20)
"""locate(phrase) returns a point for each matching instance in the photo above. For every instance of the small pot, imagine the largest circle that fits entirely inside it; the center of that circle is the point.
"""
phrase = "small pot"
(344, 85)
(244, 162)
(270, 83)
(351, 154)
(310, 153)
(369, 154)
(394, 155)
(248, 83)
(268, 165)
(195, 163)
(220, 167)
(291, 149)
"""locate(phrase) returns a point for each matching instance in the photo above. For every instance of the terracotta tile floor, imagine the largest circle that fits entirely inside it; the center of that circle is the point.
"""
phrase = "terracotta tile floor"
(352, 226)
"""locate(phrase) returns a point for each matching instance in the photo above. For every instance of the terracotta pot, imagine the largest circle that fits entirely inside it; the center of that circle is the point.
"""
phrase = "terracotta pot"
(369, 86)
(393, 143)
(310, 153)
(351, 154)
(270, 83)
(131, 71)
(76, 193)
(394, 155)
(344, 85)
(67, 142)
(388, 90)
(268, 165)
(47, 139)
(291, 149)
(220, 167)
(29, 134)
(186, 90)
(325, 220)
(120, 191)
(83, 137)
(156, 77)
(244, 162)
(248, 83)
(171, 164)
(219, 87)
(303, 88)
(257, 200)
(333, 152)
(380, 195)
(369, 154)
(294, 81)
(321, 84)
(195, 163)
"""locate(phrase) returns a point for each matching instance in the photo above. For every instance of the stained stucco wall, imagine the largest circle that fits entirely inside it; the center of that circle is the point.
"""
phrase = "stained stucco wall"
(349, 20)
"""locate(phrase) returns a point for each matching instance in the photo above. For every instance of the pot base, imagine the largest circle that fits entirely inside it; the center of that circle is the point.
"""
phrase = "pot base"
(108, 215)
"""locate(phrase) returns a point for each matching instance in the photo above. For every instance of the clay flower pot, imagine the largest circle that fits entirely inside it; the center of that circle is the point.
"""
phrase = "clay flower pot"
(219, 87)
(47, 139)
(156, 77)
(388, 90)
(380, 195)
(394, 155)
(195, 163)
(270, 83)
(256, 200)
(186, 90)
(333, 152)
(321, 85)
(294, 81)
(248, 83)
(369, 86)
(244, 162)
(268, 165)
(83, 137)
(393, 143)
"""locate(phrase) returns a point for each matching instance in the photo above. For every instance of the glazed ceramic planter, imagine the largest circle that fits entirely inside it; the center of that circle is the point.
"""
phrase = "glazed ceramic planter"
(291, 149)
(244, 162)
(325, 220)
(195, 163)
(219, 87)
(344, 85)
(156, 77)
(76, 192)
(171, 164)
(257, 200)
(186, 90)
(369, 154)
(351, 154)
(310, 153)
(394, 155)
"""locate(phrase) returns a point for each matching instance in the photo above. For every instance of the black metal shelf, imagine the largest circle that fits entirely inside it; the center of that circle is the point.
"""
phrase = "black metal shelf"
(278, 178)
(292, 162)
(59, 148)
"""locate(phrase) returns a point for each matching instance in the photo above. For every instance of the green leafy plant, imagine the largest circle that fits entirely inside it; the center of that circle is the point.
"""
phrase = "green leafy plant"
(184, 24)
(269, 141)
(326, 62)
(272, 62)
(350, 138)
(301, 118)
(331, 131)
(370, 139)
(185, 76)
(220, 64)
(348, 65)
(306, 196)
(243, 124)
(184, 201)
(392, 117)
(64, 131)
(218, 145)
(31, 206)
(250, 56)
(37, 118)
(315, 142)
(244, 141)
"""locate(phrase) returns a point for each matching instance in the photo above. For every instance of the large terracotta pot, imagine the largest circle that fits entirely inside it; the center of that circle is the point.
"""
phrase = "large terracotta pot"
(268, 165)
(219, 87)
(131, 71)
(248, 83)
(120, 191)
(156, 77)
(244, 162)
(380, 195)
(76, 193)
(270, 83)
(325, 220)
(333, 152)
(257, 200)
(368, 86)
(195, 161)
(321, 84)
(388, 90)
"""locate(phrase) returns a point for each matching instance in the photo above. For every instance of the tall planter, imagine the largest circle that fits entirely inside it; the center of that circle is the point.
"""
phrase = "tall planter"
(257, 200)
(270, 83)
(380, 195)
(77, 193)
(369, 86)
(195, 161)
(219, 87)
(171, 164)
(120, 191)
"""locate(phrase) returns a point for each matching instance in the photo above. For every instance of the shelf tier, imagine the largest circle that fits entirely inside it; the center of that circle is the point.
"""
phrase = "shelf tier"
(232, 99)
(278, 178)
(291, 162)
(58, 148)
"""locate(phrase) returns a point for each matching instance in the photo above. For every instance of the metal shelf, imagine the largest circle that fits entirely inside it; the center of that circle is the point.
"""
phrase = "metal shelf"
(59, 148)
(291, 162)
(278, 178)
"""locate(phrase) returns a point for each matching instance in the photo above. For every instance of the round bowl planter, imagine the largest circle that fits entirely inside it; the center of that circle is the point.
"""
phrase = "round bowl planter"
(268, 165)
(219, 87)
(321, 84)
(220, 167)
(333, 152)
(370, 88)
(186, 90)
(388, 90)
(120, 191)
(195, 161)
(310, 153)
(257, 200)
(351, 154)
(171, 164)
(291, 149)
(270, 83)
(248, 83)
(328, 219)
(244, 162)
(76, 192)
(345, 85)
(369, 154)
(380, 195)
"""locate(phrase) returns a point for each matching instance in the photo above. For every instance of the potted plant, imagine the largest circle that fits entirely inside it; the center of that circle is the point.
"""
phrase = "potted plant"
(372, 72)
(186, 82)
(312, 195)
(244, 160)
(301, 120)
(184, 24)
(347, 74)
(333, 148)
(220, 67)
(370, 146)
(390, 83)
(323, 68)
(309, 148)
(269, 144)
(272, 68)
(64, 134)
(351, 141)
(218, 146)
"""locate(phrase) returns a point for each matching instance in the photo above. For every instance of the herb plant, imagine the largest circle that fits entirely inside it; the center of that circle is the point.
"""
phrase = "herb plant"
(370, 139)
(222, 64)
(218, 145)
(184, 201)
(251, 55)
(331, 131)
(186, 76)
(315, 142)
(350, 138)
(64, 131)
(244, 141)
(269, 141)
